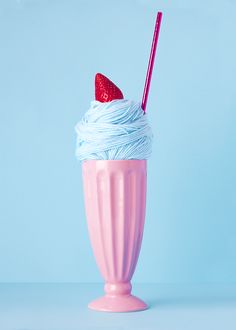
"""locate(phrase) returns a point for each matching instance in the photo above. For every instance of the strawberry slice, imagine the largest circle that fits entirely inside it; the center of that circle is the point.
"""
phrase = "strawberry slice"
(105, 89)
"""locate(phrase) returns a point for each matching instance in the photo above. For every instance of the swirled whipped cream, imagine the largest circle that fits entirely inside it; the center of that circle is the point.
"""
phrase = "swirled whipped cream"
(114, 130)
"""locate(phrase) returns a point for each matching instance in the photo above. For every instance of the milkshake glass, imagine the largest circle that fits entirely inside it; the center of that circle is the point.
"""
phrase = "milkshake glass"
(115, 203)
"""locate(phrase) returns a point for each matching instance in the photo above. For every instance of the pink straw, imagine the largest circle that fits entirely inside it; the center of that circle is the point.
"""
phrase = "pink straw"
(151, 61)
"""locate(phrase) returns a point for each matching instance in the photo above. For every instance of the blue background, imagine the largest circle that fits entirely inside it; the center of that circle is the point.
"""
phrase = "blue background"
(50, 52)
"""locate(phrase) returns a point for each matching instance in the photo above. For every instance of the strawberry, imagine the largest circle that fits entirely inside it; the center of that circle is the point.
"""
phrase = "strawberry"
(105, 89)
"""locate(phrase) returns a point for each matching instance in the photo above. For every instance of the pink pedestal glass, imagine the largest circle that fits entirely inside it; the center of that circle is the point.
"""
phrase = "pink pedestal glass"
(115, 203)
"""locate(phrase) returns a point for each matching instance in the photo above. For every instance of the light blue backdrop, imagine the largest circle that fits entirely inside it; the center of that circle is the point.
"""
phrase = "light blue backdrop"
(50, 52)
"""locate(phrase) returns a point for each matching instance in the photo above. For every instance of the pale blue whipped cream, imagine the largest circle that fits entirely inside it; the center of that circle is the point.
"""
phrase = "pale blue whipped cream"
(114, 130)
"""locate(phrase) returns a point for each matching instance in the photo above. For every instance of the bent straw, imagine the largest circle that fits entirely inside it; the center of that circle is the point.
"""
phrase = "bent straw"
(151, 61)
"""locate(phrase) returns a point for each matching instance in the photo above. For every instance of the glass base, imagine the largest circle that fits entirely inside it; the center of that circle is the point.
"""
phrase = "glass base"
(118, 303)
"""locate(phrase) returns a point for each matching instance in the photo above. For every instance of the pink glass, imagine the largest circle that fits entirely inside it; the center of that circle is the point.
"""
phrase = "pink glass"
(115, 203)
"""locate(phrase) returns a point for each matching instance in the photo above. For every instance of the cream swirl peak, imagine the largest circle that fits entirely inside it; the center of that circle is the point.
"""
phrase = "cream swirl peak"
(114, 130)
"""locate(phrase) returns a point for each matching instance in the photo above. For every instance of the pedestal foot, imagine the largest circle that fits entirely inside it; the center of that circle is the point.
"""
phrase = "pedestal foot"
(122, 303)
